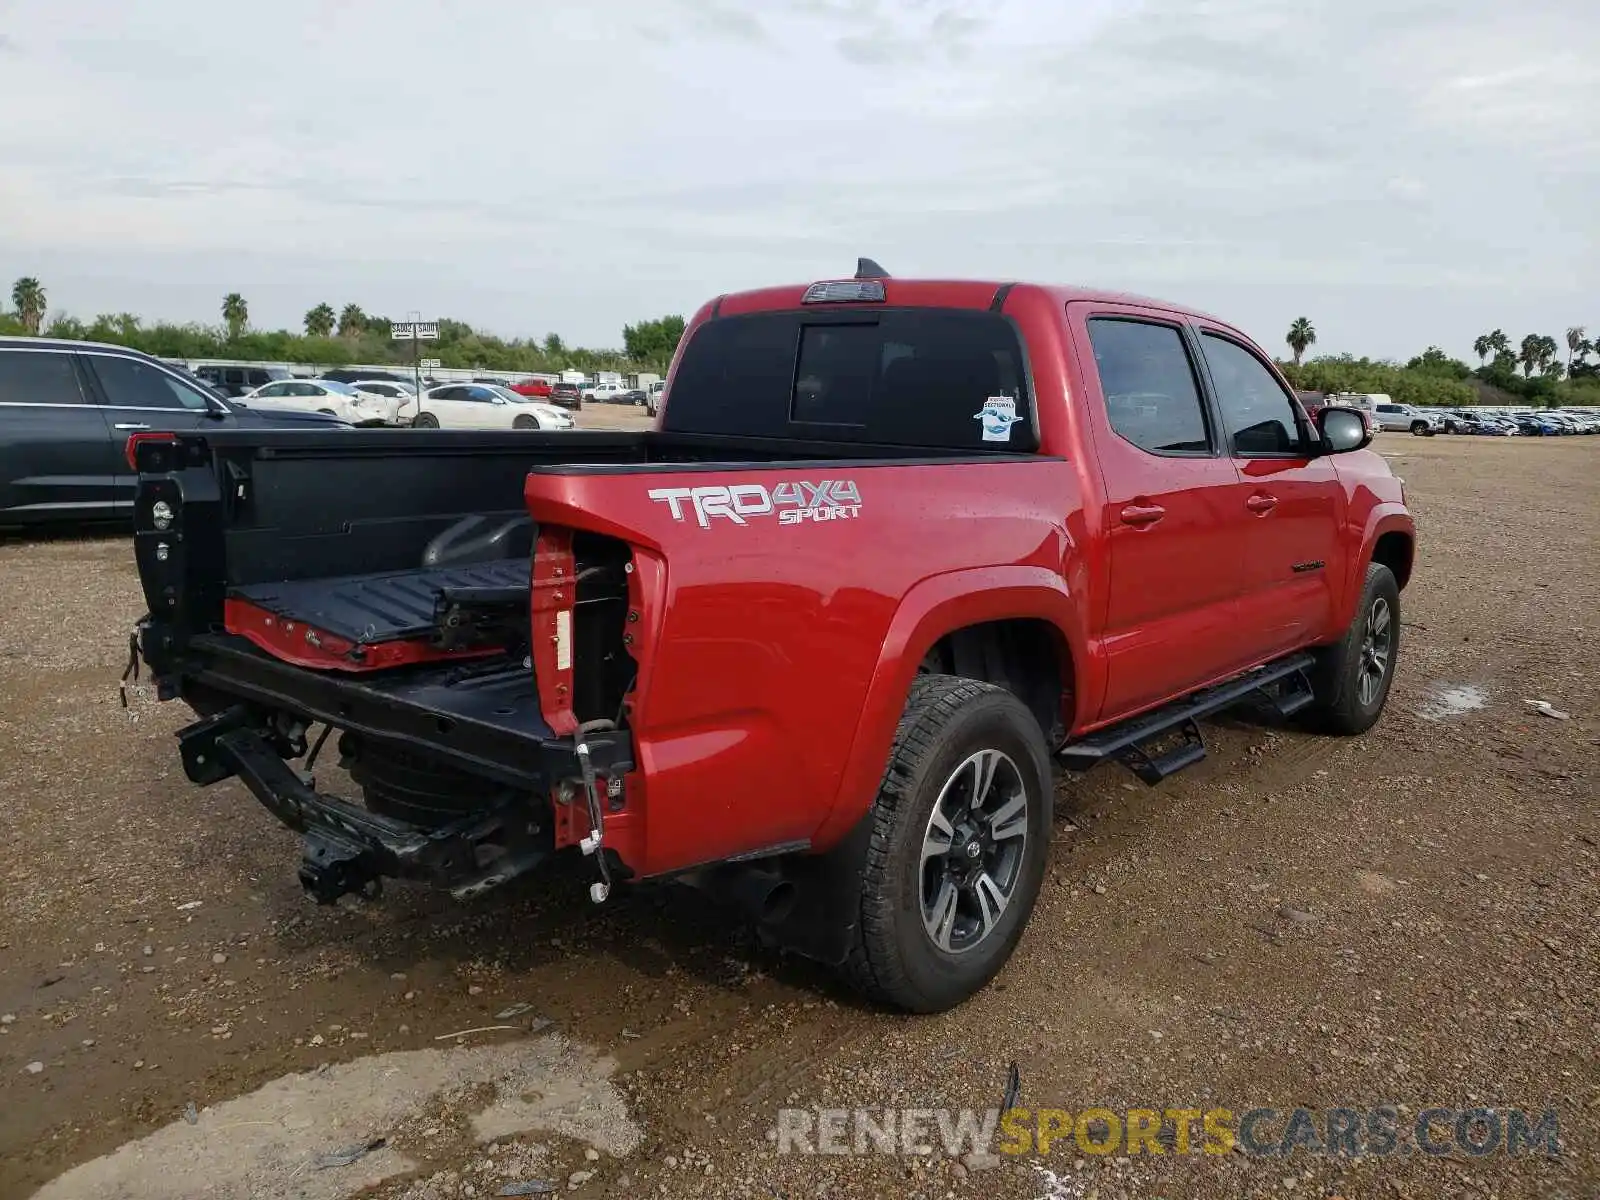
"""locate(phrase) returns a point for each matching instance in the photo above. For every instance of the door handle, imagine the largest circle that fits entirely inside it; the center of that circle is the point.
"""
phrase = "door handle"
(130, 425)
(1139, 515)
(1261, 503)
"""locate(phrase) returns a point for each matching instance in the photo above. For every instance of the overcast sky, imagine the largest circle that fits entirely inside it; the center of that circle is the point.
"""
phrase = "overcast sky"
(1403, 172)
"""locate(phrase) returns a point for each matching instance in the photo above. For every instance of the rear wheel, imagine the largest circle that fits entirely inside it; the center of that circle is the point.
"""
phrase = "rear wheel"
(425, 421)
(961, 831)
(1351, 679)
(1419, 428)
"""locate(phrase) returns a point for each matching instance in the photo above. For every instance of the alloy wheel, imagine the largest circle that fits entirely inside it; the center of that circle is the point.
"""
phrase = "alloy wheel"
(972, 851)
(1377, 646)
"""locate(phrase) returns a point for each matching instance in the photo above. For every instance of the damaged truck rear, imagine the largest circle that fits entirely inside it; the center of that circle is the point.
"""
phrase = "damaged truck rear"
(894, 552)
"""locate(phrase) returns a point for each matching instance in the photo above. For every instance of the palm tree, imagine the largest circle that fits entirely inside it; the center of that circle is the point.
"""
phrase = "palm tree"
(319, 321)
(1547, 353)
(1483, 347)
(28, 295)
(236, 313)
(1301, 335)
(1531, 354)
(1576, 346)
(352, 321)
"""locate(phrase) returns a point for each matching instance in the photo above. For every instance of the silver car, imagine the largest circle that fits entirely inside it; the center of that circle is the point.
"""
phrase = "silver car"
(1403, 417)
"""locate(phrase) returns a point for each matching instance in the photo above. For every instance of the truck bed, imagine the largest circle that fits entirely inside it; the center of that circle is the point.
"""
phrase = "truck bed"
(289, 506)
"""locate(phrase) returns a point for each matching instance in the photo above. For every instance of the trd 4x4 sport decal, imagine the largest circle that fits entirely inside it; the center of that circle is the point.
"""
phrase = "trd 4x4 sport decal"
(793, 503)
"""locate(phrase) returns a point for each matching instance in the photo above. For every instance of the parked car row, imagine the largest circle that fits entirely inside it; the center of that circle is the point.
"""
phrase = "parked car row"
(1384, 414)
(68, 409)
(1541, 422)
(390, 403)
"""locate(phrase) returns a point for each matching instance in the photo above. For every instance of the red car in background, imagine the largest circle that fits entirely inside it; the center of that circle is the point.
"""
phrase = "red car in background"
(534, 389)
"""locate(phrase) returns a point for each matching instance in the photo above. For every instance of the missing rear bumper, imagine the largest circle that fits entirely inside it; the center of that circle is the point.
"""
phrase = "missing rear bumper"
(351, 850)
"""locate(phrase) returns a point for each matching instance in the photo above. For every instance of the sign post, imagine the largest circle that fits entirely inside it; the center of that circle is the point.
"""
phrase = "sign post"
(415, 330)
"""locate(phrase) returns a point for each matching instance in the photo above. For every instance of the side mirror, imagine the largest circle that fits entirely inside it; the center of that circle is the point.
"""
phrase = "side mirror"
(1343, 430)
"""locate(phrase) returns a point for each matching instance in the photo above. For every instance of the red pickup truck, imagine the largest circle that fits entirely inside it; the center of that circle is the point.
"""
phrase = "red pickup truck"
(532, 387)
(894, 551)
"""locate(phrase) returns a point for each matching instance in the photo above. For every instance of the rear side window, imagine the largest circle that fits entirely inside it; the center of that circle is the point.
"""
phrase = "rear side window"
(34, 377)
(1152, 399)
(926, 377)
(130, 383)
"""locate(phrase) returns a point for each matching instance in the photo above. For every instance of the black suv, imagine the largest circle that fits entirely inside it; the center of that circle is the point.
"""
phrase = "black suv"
(236, 381)
(67, 410)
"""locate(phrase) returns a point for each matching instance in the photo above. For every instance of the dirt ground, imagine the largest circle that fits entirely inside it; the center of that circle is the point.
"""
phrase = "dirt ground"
(1408, 917)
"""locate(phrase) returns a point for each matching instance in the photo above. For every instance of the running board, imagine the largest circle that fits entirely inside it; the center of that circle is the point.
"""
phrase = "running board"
(1284, 686)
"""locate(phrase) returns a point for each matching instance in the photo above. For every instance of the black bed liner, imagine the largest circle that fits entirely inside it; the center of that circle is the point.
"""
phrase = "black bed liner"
(383, 606)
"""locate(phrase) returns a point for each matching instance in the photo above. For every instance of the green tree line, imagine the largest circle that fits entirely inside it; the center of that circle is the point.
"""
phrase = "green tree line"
(1533, 370)
(332, 337)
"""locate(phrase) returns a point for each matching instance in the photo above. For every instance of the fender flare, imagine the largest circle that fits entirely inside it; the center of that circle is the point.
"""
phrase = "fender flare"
(933, 608)
(1386, 517)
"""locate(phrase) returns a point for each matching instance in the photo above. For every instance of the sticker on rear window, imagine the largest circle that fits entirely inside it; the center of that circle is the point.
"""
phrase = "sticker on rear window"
(998, 416)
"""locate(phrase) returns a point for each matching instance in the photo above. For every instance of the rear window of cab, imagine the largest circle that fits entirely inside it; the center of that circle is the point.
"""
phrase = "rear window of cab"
(952, 379)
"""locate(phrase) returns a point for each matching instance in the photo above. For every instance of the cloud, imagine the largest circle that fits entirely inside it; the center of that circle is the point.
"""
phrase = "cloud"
(1404, 171)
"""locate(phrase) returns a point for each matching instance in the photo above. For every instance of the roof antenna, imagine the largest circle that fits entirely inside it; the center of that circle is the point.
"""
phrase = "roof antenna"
(867, 269)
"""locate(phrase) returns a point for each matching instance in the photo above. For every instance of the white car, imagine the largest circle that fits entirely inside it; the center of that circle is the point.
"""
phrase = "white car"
(485, 406)
(403, 395)
(321, 395)
(604, 393)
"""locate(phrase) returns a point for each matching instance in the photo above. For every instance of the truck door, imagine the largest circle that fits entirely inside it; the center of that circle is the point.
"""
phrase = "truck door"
(1175, 563)
(1289, 500)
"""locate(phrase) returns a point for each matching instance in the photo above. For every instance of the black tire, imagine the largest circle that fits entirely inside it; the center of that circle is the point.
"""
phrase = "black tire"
(948, 723)
(1419, 429)
(1341, 706)
(425, 421)
(525, 422)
